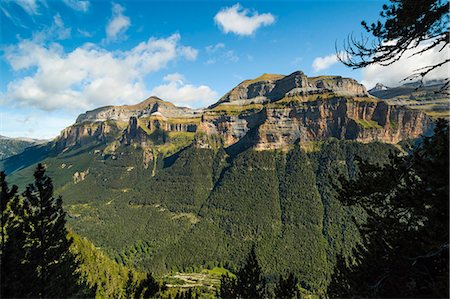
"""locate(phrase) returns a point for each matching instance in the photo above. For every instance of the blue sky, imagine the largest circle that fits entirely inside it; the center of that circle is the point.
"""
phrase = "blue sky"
(60, 58)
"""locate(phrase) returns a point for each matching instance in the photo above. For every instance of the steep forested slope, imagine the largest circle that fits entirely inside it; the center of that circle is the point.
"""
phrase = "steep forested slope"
(202, 207)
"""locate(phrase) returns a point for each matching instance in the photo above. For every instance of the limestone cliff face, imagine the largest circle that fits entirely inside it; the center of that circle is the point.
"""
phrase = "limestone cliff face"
(269, 112)
(81, 134)
(270, 88)
(143, 109)
(340, 118)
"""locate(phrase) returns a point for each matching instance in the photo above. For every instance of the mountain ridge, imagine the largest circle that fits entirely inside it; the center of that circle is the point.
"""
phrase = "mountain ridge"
(271, 111)
(341, 108)
(10, 146)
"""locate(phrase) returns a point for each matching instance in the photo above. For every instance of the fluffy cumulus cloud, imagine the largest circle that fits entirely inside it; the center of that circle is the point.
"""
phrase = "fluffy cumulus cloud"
(87, 77)
(393, 74)
(177, 91)
(241, 21)
(79, 5)
(325, 62)
(118, 24)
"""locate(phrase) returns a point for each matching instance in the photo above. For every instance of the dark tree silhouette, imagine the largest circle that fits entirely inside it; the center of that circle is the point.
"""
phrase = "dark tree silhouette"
(286, 288)
(251, 284)
(13, 240)
(228, 287)
(406, 237)
(52, 265)
(6, 195)
(406, 25)
(184, 294)
(148, 287)
(248, 283)
(130, 286)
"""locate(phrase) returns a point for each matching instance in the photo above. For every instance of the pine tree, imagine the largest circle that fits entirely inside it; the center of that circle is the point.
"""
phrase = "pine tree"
(184, 294)
(13, 240)
(406, 236)
(409, 23)
(130, 286)
(250, 284)
(148, 287)
(52, 264)
(228, 287)
(286, 288)
(6, 195)
(16, 283)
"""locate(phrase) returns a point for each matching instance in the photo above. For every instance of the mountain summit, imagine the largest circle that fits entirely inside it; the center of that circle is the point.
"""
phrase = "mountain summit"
(271, 88)
(378, 87)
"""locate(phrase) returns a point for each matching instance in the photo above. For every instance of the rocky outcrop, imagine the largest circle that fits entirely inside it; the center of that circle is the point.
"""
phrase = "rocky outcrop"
(270, 88)
(135, 133)
(340, 118)
(269, 112)
(143, 109)
(84, 133)
(80, 176)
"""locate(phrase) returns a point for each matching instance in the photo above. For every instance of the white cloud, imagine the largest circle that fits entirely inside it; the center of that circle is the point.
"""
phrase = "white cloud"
(231, 56)
(189, 53)
(118, 24)
(174, 77)
(84, 33)
(13, 19)
(323, 63)
(241, 21)
(33, 124)
(87, 77)
(59, 29)
(214, 48)
(393, 74)
(79, 5)
(30, 6)
(218, 52)
(182, 94)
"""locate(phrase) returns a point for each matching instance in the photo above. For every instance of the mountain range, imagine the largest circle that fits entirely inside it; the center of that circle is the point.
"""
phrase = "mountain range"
(269, 112)
(13, 146)
(165, 188)
(429, 97)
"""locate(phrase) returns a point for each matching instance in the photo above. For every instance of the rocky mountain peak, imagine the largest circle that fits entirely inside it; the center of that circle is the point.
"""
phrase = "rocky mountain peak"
(378, 87)
(272, 87)
(142, 109)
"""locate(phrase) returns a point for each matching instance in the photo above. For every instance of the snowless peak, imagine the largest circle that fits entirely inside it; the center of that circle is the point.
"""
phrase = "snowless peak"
(380, 86)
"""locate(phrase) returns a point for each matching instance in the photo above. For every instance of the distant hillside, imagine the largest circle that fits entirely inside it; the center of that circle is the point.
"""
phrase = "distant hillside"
(13, 146)
(427, 98)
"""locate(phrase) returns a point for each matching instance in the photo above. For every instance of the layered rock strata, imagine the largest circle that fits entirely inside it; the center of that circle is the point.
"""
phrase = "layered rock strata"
(269, 112)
